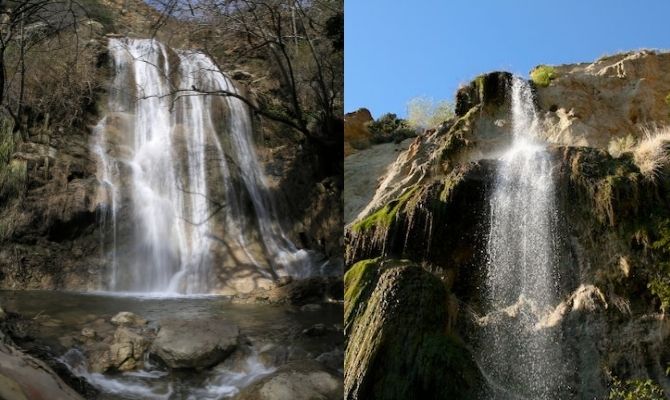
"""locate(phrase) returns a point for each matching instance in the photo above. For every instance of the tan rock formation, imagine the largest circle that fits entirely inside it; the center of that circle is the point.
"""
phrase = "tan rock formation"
(356, 134)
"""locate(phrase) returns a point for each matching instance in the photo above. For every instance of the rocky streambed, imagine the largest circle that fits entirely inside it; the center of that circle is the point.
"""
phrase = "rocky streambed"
(205, 347)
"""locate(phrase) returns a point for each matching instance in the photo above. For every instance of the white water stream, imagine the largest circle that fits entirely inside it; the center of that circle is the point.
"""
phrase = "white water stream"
(521, 284)
(167, 138)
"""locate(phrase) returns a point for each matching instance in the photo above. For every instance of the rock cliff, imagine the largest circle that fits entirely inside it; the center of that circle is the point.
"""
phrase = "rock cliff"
(604, 125)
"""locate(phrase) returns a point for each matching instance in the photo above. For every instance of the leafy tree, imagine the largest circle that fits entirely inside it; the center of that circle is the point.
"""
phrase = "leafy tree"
(298, 43)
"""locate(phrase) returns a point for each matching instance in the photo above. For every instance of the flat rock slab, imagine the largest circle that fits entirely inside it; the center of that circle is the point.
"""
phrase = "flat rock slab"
(194, 343)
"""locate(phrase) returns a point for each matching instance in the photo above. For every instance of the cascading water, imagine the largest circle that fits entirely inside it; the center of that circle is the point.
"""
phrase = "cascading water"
(161, 154)
(521, 283)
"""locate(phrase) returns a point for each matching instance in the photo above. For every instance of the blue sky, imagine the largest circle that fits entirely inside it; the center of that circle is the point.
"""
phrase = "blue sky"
(398, 50)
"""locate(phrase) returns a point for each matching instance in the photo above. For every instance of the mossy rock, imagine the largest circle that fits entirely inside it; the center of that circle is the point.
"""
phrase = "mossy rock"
(486, 89)
(383, 217)
(398, 345)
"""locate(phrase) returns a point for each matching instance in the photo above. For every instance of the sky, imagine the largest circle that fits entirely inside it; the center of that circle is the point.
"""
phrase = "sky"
(395, 51)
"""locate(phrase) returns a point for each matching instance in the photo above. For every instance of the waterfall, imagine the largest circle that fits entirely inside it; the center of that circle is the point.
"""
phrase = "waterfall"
(178, 169)
(521, 283)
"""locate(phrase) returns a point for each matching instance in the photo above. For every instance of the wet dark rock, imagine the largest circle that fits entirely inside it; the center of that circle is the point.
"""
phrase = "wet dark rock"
(195, 343)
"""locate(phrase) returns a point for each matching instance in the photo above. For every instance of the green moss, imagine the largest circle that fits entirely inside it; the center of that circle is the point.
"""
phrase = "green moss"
(635, 389)
(456, 136)
(659, 279)
(480, 83)
(667, 99)
(543, 75)
(357, 278)
(451, 182)
(385, 215)
(397, 346)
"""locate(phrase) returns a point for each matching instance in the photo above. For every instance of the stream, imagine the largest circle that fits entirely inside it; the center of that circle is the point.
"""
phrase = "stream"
(273, 334)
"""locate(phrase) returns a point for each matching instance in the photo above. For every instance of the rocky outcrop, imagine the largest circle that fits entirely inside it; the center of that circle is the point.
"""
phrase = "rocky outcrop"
(194, 344)
(356, 133)
(399, 342)
(589, 104)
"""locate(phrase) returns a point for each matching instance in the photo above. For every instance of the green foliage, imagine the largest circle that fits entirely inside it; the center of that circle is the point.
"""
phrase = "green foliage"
(543, 75)
(635, 389)
(385, 215)
(423, 112)
(659, 281)
(390, 128)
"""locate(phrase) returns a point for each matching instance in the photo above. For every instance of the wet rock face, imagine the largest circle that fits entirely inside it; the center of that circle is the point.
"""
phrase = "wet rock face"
(487, 89)
(399, 344)
(194, 344)
(439, 222)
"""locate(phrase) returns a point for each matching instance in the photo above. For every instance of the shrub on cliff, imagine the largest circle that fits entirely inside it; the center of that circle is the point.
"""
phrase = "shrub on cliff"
(652, 153)
(390, 128)
(543, 75)
(423, 112)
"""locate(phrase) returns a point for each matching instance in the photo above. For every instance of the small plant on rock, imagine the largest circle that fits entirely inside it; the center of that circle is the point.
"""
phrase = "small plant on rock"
(619, 146)
(635, 389)
(543, 75)
(652, 154)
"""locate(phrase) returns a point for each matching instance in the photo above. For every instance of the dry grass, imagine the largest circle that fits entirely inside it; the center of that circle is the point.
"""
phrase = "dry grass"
(619, 146)
(652, 153)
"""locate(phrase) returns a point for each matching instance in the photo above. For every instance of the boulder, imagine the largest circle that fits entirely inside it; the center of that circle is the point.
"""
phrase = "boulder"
(301, 380)
(127, 351)
(399, 346)
(125, 318)
(195, 343)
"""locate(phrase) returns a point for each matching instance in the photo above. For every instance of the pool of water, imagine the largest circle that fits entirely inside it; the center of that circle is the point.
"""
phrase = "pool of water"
(60, 316)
